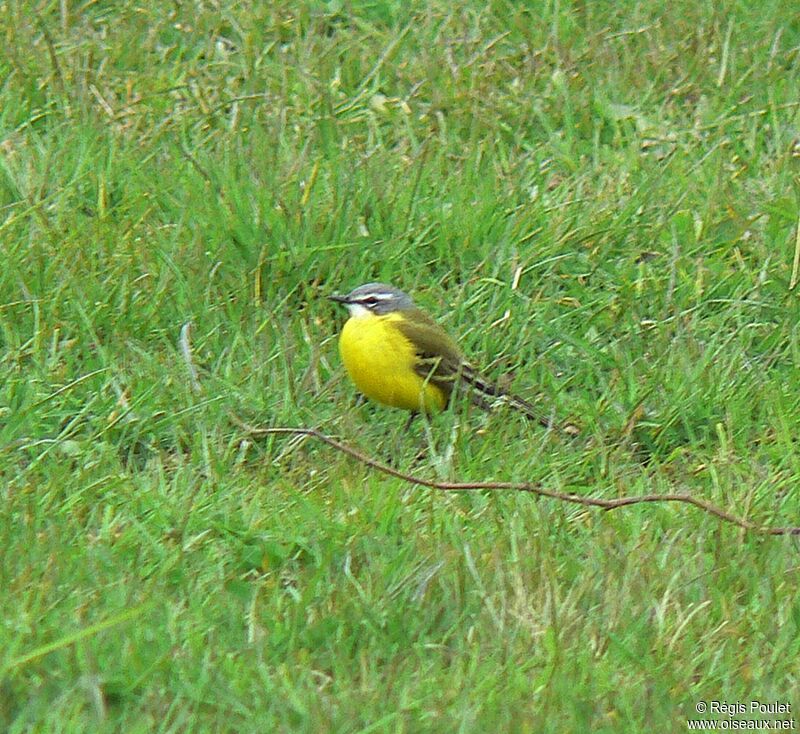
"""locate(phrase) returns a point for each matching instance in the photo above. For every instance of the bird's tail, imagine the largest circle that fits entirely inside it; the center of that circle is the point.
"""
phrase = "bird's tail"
(483, 390)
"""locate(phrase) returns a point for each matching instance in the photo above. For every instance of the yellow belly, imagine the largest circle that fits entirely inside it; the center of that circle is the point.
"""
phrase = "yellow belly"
(381, 360)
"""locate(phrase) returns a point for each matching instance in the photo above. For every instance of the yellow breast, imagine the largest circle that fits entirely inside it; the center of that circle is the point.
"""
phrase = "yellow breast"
(381, 361)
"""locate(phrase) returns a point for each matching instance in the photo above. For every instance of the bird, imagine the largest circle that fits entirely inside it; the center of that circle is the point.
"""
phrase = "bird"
(398, 355)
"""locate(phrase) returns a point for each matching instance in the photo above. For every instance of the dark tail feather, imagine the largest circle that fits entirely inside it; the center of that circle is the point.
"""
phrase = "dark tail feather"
(485, 389)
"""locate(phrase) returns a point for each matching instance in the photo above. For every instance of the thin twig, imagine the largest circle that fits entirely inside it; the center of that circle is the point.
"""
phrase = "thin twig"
(532, 487)
(186, 352)
(796, 261)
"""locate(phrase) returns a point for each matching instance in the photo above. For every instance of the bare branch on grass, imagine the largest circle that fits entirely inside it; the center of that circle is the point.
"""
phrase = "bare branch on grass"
(532, 487)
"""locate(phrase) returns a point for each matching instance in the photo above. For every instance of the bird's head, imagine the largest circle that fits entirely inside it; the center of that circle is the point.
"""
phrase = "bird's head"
(374, 298)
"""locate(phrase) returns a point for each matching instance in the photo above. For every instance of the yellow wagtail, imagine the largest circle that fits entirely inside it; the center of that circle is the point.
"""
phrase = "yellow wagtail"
(396, 354)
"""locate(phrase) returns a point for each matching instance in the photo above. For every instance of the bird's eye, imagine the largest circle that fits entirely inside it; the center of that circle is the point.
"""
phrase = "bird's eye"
(370, 301)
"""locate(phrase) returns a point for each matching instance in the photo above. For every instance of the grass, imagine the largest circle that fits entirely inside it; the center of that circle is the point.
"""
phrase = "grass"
(613, 187)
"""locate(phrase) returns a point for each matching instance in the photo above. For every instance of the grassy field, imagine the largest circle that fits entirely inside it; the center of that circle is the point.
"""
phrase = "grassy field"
(600, 200)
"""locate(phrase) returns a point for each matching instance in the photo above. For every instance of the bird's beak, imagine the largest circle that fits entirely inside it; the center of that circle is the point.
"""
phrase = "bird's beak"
(338, 299)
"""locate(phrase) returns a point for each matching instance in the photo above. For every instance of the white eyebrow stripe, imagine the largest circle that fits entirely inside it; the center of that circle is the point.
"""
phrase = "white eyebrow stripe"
(376, 296)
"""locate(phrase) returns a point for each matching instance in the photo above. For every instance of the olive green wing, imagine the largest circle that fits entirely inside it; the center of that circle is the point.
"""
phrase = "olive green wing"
(438, 357)
(440, 361)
